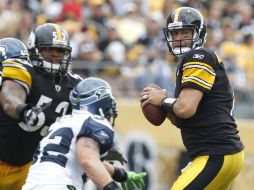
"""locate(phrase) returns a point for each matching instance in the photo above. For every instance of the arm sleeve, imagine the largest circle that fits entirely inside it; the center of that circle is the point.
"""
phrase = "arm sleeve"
(199, 71)
(99, 131)
(14, 69)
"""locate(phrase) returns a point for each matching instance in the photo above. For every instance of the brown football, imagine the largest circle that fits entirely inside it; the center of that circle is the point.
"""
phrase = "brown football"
(154, 114)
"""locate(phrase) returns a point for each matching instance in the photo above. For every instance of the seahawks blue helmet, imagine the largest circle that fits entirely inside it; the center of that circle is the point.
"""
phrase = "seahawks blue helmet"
(94, 95)
(12, 48)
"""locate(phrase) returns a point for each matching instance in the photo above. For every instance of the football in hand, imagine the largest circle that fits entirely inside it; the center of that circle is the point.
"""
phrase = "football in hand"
(154, 114)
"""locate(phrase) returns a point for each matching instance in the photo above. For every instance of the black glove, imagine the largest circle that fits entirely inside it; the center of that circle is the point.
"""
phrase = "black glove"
(29, 114)
(112, 186)
(129, 178)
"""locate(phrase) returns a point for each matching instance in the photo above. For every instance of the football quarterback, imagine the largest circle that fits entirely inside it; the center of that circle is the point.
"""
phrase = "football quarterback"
(202, 106)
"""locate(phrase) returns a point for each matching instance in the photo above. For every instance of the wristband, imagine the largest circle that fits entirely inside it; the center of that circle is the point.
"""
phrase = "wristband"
(119, 175)
(167, 104)
(20, 110)
(111, 186)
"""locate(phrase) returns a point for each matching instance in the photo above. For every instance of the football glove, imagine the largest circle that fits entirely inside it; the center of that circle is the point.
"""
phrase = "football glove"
(134, 180)
(29, 114)
(115, 154)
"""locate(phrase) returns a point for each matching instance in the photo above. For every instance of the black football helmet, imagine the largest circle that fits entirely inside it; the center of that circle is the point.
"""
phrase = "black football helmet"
(12, 48)
(94, 95)
(185, 18)
(46, 37)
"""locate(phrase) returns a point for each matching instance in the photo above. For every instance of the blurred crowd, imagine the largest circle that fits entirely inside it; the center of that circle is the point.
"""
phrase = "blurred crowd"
(122, 40)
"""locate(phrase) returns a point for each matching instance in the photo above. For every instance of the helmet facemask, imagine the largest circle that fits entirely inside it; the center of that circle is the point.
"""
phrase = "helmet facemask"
(182, 48)
(57, 66)
(109, 112)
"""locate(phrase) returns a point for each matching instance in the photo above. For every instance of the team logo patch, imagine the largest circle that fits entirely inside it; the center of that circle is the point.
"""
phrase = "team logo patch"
(58, 88)
(100, 93)
(198, 56)
(103, 134)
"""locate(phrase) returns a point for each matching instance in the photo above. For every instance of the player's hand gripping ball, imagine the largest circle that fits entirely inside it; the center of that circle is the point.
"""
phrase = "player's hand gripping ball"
(154, 114)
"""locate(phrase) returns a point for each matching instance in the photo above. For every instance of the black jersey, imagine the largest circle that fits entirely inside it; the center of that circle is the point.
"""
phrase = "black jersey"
(17, 141)
(212, 130)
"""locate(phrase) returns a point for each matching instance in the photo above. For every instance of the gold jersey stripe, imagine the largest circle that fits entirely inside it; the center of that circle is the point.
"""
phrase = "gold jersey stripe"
(201, 64)
(16, 73)
(199, 67)
(58, 32)
(196, 82)
(200, 73)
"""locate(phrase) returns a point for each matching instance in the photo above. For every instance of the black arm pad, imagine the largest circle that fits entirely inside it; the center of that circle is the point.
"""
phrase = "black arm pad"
(20, 110)
(167, 105)
(111, 186)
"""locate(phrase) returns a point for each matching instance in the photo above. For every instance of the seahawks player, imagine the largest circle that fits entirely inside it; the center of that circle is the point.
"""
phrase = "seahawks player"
(75, 145)
(202, 107)
(33, 96)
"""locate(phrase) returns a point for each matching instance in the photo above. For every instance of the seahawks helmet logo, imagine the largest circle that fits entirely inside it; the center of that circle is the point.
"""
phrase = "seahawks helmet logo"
(102, 92)
(3, 51)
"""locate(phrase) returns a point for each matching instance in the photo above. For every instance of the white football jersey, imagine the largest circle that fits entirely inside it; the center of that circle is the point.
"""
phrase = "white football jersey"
(55, 159)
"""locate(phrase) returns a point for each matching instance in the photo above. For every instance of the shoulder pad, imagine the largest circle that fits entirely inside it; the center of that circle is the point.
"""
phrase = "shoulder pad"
(16, 69)
(100, 130)
(202, 55)
(199, 69)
